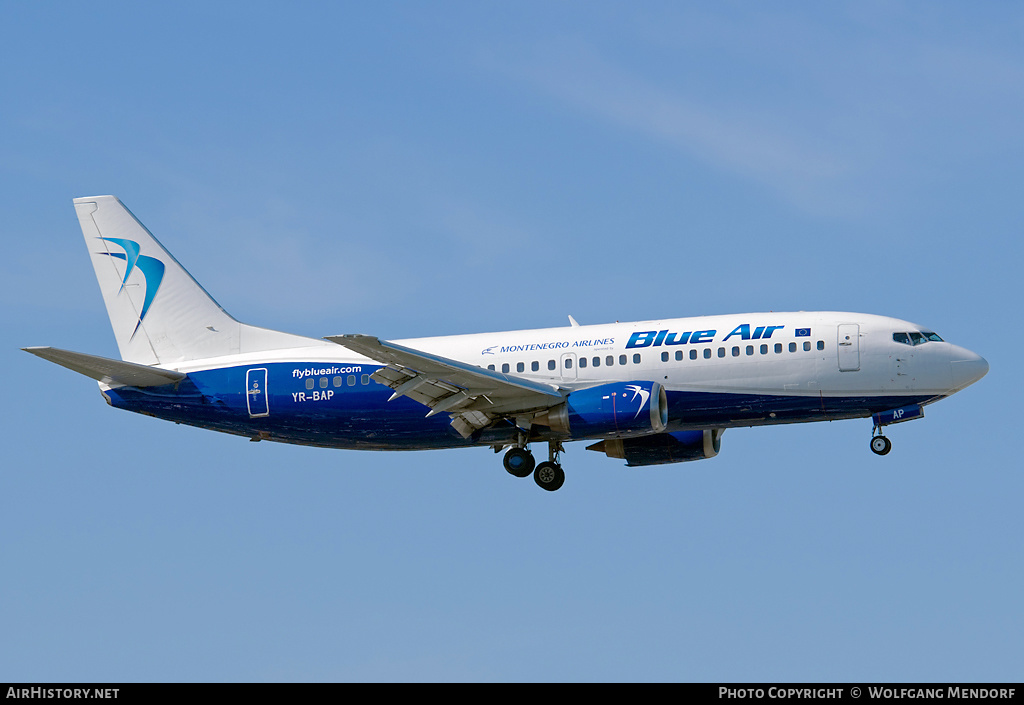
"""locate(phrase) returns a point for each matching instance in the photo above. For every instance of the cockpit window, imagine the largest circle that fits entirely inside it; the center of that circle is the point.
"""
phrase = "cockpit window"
(915, 337)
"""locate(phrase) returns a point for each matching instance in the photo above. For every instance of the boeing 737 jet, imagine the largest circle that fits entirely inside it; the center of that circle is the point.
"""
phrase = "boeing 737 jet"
(649, 392)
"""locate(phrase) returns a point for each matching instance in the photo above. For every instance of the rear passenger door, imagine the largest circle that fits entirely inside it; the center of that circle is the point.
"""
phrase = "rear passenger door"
(256, 392)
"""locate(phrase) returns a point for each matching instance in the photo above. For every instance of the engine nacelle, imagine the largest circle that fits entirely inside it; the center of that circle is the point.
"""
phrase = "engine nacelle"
(614, 410)
(661, 448)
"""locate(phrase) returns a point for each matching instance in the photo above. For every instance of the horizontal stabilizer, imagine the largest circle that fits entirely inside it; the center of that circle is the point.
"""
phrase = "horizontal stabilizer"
(103, 369)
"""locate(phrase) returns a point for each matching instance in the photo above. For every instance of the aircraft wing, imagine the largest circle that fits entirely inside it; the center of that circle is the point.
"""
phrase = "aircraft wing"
(473, 396)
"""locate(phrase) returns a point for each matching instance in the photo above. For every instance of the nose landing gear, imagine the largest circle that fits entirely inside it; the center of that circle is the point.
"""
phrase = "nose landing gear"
(880, 445)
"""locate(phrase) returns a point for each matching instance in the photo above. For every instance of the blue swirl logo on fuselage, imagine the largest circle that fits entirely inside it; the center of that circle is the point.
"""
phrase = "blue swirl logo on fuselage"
(152, 269)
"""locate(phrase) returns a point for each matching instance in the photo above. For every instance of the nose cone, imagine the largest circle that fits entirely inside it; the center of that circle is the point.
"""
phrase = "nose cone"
(967, 368)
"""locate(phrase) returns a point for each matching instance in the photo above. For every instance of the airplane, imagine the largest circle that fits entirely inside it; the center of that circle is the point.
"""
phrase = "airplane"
(647, 392)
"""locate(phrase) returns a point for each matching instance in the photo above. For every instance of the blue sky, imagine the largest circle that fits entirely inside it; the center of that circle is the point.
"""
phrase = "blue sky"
(413, 169)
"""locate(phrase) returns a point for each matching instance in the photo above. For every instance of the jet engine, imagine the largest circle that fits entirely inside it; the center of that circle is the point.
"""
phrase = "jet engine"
(613, 410)
(661, 448)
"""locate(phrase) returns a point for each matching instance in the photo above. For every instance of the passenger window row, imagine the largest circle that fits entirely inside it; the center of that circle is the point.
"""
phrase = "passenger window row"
(708, 353)
(609, 361)
(748, 350)
(337, 381)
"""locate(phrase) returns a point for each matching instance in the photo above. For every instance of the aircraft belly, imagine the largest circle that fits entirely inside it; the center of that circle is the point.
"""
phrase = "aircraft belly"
(353, 416)
(359, 416)
(700, 409)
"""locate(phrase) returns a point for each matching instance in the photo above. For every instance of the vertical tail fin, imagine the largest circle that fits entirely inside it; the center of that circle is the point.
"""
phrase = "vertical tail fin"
(159, 313)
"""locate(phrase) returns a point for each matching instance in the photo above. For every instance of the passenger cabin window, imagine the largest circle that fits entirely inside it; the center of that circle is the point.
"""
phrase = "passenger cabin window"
(552, 364)
(520, 367)
(679, 354)
(583, 362)
(535, 366)
(821, 345)
(596, 362)
(664, 357)
(622, 359)
(636, 358)
(504, 367)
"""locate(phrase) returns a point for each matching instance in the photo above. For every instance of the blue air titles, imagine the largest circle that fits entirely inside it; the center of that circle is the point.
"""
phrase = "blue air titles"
(657, 338)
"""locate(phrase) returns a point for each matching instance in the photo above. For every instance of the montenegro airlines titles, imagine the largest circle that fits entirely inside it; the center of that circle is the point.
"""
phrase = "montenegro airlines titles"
(649, 393)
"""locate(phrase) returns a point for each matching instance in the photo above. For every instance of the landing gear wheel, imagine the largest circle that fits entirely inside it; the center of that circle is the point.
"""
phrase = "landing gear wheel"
(880, 445)
(519, 462)
(549, 476)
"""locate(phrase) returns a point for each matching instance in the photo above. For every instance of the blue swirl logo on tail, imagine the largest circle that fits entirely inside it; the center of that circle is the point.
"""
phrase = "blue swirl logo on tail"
(152, 269)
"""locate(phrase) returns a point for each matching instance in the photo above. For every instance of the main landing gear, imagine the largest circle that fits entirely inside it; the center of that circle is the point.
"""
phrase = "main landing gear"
(548, 474)
(519, 462)
(880, 445)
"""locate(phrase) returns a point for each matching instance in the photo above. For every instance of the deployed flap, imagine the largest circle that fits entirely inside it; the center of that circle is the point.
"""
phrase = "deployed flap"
(472, 395)
(112, 372)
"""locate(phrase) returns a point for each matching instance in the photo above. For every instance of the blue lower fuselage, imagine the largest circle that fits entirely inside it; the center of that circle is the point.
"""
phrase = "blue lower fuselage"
(338, 406)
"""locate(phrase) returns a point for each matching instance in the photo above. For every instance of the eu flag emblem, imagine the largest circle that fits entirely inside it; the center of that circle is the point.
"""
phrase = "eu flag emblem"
(803, 332)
